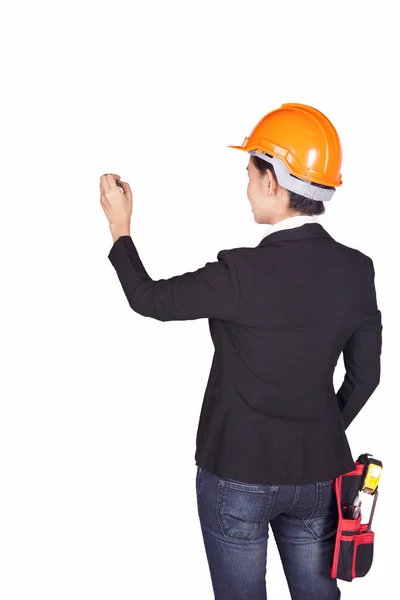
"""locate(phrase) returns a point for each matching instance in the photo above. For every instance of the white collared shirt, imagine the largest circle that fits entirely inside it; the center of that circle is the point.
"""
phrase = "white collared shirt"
(289, 223)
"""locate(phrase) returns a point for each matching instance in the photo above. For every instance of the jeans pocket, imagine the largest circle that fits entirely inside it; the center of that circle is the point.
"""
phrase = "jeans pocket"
(324, 519)
(322, 528)
(242, 509)
(327, 482)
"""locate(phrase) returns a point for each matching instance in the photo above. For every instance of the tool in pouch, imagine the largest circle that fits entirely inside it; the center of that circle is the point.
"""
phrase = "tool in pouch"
(354, 542)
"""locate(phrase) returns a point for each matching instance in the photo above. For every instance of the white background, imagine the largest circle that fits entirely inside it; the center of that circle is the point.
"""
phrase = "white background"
(99, 406)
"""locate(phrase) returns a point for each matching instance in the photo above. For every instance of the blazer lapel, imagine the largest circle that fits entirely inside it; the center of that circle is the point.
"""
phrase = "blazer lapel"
(304, 231)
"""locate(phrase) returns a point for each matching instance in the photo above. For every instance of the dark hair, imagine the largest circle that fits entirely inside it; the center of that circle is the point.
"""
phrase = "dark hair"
(296, 201)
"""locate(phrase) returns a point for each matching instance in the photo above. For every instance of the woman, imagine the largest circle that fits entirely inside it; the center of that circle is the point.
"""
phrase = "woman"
(271, 435)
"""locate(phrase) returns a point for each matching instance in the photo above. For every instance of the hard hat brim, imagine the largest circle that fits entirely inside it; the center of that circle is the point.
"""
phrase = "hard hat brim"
(237, 147)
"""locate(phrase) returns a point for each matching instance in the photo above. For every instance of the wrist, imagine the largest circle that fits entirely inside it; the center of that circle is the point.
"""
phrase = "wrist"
(119, 229)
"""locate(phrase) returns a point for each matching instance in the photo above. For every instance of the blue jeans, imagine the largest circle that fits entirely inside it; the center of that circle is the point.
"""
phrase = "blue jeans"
(235, 517)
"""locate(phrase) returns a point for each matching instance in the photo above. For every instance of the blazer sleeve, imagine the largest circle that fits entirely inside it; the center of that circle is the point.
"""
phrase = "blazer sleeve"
(361, 355)
(211, 291)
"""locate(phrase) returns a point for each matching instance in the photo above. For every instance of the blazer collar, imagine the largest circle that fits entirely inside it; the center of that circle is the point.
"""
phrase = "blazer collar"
(308, 230)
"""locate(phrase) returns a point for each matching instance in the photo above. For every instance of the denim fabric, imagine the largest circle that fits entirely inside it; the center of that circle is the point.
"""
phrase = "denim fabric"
(235, 518)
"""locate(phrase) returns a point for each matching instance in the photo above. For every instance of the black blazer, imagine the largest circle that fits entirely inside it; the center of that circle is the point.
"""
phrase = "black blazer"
(280, 314)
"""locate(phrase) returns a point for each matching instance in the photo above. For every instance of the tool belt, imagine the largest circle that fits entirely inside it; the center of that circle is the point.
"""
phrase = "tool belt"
(354, 544)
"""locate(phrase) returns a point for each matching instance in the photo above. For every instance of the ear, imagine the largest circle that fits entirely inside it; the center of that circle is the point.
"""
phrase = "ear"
(271, 183)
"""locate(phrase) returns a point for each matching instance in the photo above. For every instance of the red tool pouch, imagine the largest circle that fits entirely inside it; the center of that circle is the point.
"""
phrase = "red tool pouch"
(354, 545)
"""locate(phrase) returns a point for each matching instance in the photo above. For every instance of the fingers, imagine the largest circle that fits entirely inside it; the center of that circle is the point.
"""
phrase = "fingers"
(111, 175)
(126, 187)
(107, 181)
(104, 185)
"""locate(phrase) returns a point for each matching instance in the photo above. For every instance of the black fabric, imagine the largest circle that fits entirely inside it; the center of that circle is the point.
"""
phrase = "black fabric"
(346, 558)
(364, 557)
(280, 314)
(350, 488)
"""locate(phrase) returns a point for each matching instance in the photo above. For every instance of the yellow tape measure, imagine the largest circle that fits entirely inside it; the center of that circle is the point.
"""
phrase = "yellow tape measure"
(372, 478)
(372, 473)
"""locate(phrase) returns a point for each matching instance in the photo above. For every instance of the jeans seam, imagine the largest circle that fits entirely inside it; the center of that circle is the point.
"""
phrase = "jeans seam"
(295, 498)
(271, 508)
(317, 501)
(198, 481)
(218, 504)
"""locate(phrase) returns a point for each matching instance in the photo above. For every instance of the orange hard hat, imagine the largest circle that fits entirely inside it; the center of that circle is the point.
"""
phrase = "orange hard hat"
(304, 147)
